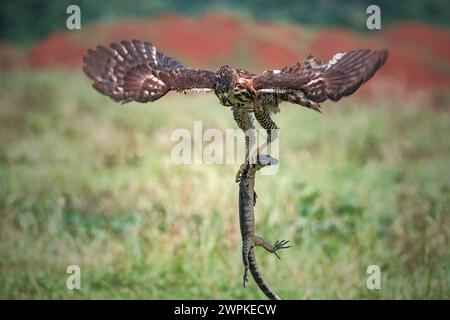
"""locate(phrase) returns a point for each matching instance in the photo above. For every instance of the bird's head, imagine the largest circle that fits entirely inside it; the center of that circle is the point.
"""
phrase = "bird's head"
(225, 81)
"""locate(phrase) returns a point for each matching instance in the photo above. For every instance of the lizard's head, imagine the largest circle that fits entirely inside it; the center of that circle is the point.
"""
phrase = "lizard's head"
(265, 160)
(225, 81)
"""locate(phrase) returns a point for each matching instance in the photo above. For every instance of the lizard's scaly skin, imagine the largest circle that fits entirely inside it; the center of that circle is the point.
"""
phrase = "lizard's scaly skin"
(247, 200)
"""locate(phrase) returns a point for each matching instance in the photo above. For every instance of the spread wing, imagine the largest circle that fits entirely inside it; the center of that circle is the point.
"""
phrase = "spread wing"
(135, 71)
(317, 82)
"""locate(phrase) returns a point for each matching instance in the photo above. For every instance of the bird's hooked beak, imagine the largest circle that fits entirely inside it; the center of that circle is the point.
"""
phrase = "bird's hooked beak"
(224, 100)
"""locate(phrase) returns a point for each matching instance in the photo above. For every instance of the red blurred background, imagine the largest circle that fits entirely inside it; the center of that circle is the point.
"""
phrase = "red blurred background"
(419, 59)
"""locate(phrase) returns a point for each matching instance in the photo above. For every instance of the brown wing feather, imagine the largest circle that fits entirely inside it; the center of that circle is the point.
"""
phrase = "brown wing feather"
(242, 73)
(341, 76)
(136, 71)
(352, 70)
(302, 66)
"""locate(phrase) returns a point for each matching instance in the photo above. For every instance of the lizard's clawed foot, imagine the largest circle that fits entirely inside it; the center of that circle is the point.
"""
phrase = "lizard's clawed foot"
(280, 244)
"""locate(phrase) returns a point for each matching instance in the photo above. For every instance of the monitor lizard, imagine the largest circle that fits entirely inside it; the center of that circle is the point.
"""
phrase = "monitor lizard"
(247, 201)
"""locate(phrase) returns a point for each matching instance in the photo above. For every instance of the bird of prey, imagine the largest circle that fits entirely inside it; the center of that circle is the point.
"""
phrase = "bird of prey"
(136, 71)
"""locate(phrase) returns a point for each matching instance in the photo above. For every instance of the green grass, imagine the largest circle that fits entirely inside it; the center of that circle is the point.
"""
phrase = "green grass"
(86, 181)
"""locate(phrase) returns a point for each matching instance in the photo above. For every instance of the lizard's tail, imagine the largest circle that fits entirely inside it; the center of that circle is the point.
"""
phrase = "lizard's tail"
(259, 279)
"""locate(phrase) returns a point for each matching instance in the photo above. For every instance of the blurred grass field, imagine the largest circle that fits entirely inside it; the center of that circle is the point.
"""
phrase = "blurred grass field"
(86, 181)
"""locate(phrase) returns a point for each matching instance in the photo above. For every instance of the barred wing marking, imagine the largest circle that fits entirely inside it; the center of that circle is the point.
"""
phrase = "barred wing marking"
(340, 77)
(269, 82)
(136, 71)
(347, 71)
